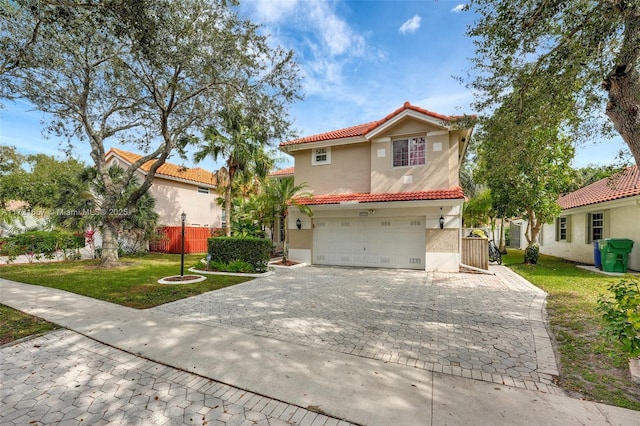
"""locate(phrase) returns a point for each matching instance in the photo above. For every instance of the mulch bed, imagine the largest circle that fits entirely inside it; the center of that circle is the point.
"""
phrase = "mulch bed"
(183, 278)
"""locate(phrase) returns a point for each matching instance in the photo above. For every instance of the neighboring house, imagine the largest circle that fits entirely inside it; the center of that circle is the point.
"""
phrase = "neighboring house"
(608, 208)
(177, 189)
(289, 171)
(379, 192)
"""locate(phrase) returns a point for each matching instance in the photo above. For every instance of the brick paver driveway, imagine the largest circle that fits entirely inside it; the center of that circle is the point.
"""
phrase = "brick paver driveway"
(479, 326)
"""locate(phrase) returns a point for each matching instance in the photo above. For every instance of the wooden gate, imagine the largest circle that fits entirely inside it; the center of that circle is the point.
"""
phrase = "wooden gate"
(475, 252)
(169, 239)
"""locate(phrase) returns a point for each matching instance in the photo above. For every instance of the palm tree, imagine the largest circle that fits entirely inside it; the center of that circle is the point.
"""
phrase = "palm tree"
(79, 206)
(240, 142)
(280, 194)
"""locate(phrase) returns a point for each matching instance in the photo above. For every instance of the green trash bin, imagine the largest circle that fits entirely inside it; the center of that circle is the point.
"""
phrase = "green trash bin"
(615, 254)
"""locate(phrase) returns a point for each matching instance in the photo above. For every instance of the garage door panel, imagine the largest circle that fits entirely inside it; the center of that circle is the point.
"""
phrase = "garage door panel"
(379, 242)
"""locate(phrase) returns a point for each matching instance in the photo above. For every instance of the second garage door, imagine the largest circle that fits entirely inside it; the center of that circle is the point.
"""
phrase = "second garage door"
(375, 242)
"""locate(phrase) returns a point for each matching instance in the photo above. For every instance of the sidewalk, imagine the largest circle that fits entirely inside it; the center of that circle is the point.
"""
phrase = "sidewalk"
(355, 389)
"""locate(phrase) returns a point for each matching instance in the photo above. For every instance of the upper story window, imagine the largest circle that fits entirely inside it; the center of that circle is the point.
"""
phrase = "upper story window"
(320, 156)
(409, 152)
(203, 190)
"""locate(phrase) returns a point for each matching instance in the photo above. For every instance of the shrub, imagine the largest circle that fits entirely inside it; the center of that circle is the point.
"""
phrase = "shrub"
(47, 243)
(254, 251)
(246, 228)
(622, 314)
(531, 255)
(235, 266)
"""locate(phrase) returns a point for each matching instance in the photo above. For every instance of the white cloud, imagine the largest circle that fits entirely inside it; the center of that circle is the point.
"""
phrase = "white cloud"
(274, 10)
(327, 46)
(459, 8)
(338, 37)
(411, 25)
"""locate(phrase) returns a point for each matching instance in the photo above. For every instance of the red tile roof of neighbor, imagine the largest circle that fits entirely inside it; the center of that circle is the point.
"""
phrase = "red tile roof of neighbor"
(283, 172)
(196, 175)
(436, 194)
(625, 184)
(363, 129)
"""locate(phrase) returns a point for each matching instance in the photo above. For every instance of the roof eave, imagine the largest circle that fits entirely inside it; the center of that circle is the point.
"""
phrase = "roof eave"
(400, 116)
(445, 202)
(322, 144)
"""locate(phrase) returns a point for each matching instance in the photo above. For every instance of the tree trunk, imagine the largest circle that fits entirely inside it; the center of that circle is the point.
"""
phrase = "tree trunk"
(109, 257)
(227, 197)
(285, 243)
(227, 209)
(502, 246)
(623, 85)
(533, 229)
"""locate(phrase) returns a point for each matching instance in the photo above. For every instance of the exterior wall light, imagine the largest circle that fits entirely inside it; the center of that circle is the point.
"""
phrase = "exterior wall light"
(298, 223)
(441, 222)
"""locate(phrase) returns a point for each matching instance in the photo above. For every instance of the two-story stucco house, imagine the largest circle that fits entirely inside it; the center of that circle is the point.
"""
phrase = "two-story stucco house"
(177, 189)
(385, 194)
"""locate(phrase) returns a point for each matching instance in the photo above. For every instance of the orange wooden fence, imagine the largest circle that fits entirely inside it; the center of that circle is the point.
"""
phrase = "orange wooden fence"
(168, 239)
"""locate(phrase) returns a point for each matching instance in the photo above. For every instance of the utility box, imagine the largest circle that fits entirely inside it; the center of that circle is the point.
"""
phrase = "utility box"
(615, 254)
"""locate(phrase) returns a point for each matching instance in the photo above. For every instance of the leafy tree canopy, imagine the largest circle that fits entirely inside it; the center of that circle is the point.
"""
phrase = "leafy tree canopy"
(525, 162)
(151, 75)
(581, 56)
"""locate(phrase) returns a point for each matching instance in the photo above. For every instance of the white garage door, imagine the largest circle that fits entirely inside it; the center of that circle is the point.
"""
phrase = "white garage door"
(379, 242)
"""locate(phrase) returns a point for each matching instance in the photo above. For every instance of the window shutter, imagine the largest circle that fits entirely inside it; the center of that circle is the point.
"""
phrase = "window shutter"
(557, 229)
(605, 224)
(568, 225)
(587, 229)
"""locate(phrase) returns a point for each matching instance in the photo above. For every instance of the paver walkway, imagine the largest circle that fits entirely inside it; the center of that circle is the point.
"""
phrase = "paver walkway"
(477, 326)
(64, 378)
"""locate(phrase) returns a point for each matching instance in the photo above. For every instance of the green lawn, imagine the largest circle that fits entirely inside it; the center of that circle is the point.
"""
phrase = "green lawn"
(15, 325)
(134, 284)
(589, 364)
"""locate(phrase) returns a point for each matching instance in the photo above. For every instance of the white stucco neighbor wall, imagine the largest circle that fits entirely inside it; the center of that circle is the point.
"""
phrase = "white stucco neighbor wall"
(623, 221)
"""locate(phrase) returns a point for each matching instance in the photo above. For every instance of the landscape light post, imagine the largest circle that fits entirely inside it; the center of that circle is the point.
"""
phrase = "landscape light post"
(183, 216)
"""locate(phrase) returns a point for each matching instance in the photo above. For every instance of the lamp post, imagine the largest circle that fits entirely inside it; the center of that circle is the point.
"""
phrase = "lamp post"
(183, 216)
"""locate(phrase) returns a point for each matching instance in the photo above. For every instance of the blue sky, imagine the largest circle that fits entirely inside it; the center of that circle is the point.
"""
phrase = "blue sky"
(360, 60)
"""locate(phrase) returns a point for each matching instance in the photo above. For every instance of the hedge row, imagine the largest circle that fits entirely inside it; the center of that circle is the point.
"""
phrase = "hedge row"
(254, 251)
(40, 242)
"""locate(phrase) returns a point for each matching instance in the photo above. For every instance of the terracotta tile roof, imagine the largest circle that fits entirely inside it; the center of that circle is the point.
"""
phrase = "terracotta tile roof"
(282, 172)
(627, 184)
(436, 194)
(363, 129)
(197, 174)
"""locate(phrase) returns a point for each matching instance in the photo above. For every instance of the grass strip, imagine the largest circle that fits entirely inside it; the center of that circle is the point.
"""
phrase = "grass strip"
(590, 366)
(15, 325)
(134, 284)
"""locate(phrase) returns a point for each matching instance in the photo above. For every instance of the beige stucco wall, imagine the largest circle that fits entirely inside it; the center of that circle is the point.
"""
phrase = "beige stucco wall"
(368, 166)
(348, 172)
(623, 222)
(172, 198)
(433, 175)
(442, 240)
(301, 238)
